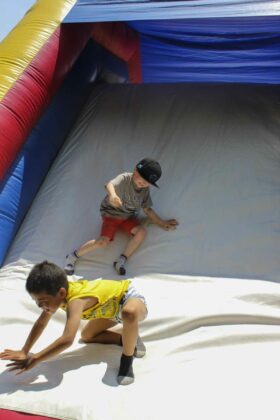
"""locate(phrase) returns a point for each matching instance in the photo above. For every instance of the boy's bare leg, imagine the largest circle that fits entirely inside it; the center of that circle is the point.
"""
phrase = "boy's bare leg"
(133, 311)
(139, 234)
(99, 331)
(89, 246)
(96, 331)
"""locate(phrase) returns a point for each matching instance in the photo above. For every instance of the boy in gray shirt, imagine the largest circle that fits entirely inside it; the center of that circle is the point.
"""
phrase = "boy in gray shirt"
(126, 195)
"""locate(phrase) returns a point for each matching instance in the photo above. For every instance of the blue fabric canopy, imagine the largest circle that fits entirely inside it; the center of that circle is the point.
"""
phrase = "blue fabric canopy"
(245, 50)
(124, 10)
(197, 40)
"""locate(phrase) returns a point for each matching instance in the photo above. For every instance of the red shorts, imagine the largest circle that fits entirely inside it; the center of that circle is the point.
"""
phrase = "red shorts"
(111, 225)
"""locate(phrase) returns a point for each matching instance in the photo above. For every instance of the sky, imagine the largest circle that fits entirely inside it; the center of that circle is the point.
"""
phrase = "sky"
(11, 12)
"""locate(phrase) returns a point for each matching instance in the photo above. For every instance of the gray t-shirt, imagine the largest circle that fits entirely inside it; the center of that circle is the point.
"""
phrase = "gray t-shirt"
(133, 199)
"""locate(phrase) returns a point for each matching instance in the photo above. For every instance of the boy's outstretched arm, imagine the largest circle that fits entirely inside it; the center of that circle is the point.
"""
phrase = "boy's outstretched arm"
(33, 336)
(164, 224)
(74, 312)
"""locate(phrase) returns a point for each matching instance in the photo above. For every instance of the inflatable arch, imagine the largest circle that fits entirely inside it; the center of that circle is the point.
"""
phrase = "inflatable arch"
(201, 55)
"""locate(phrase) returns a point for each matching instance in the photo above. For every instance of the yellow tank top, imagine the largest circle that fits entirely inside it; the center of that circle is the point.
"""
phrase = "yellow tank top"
(108, 293)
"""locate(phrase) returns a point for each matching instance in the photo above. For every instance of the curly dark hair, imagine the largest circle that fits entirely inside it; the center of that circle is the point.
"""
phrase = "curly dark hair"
(46, 277)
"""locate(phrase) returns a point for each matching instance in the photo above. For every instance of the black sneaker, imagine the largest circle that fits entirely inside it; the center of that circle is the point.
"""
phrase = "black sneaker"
(140, 349)
(119, 265)
(125, 374)
(70, 264)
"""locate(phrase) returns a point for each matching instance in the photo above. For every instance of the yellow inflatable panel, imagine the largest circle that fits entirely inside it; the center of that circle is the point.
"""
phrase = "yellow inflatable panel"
(23, 43)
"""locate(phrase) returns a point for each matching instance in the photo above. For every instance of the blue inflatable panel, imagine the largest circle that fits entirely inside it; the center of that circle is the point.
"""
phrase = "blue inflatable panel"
(127, 10)
(22, 182)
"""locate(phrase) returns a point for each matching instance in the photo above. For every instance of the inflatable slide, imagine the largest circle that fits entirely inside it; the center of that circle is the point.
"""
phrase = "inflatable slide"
(89, 88)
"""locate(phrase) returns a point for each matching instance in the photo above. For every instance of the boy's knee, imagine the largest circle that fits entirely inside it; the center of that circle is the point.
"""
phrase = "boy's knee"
(129, 314)
(103, 242)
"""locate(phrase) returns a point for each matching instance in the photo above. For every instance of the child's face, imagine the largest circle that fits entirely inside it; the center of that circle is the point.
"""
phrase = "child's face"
(49, 303)
(139, 181)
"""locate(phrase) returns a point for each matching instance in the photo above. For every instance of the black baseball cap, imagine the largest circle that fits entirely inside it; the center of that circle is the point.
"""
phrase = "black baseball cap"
(150, 170)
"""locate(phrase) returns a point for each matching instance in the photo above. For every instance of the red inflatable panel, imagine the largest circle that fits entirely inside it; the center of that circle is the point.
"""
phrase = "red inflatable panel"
(123, 42)
(15, 415)
(25, 101)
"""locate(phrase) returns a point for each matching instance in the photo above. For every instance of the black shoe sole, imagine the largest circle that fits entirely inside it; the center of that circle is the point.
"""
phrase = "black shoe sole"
(121, 271)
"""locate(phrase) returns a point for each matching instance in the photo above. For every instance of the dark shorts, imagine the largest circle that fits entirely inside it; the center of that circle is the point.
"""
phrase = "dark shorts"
(111, 224)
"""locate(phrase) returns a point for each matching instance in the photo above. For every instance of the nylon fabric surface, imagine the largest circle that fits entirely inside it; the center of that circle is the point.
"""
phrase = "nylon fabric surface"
(212, 286)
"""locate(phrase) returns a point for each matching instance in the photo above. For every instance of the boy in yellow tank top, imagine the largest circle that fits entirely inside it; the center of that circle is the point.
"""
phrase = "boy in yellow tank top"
(103, 303)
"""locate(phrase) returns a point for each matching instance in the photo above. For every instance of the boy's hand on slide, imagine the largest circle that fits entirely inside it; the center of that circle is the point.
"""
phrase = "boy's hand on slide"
(170, 224)
(23, 365)
(20, 360)
(8, 354)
